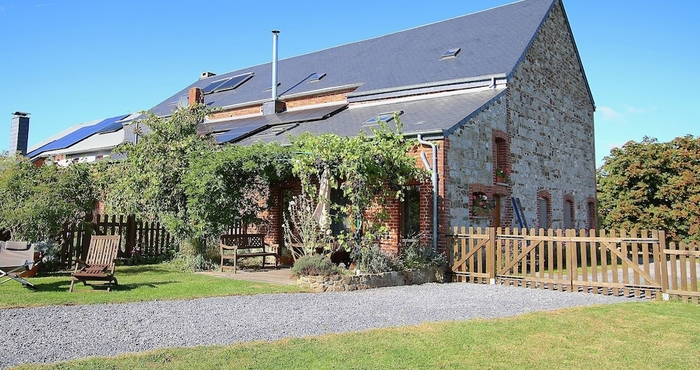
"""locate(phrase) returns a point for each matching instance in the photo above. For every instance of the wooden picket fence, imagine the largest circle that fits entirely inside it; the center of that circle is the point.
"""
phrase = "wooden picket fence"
(138, 237)
(620, 263)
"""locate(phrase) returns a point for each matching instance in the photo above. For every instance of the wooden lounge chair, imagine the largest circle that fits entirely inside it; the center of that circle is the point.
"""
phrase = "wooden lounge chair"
(99, 264)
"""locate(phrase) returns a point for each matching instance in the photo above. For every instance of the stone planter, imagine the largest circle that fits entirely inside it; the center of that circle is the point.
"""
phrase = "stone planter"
(342, 283)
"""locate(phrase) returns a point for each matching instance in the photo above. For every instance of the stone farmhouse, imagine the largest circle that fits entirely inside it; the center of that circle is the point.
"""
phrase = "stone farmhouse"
(497, 101)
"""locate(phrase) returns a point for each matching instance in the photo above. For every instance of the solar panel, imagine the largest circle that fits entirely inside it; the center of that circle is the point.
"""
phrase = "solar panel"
(238, 132)
(303, 115)
(227, 83)
(107, 125)
(212, 86)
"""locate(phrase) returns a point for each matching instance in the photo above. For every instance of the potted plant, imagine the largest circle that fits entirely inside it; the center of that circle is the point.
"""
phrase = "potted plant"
(503, 175)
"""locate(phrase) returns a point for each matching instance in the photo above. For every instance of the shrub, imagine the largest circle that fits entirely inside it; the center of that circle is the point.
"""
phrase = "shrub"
(317, 265)
(191, 263)
(374, 260)
(415, 255)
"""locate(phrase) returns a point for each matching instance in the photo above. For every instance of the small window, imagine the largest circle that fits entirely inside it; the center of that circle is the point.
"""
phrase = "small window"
(543, 212)
(340, 221)
(452, 53)
(568, 214)
(384, 117)
(481, 205)
(316, 77)
(410, 213)
(591, 215)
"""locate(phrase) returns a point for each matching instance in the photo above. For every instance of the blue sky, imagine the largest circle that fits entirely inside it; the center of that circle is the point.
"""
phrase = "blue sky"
(73, 61)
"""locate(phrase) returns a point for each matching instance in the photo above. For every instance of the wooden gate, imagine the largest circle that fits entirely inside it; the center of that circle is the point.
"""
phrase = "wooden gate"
(683, 266)
(612, 263)
(471, 255)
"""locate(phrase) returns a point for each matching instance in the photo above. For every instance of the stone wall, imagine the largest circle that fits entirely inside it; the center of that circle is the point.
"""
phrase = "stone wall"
(343, 283)
(546, 114)
(550, 114)
(471, 165)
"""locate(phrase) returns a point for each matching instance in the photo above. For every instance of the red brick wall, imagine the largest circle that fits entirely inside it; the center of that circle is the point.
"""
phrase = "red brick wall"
(292, 103)
(319, 99)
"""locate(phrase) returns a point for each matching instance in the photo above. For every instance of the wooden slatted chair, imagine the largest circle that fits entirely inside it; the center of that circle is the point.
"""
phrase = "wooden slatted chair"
(99, 264)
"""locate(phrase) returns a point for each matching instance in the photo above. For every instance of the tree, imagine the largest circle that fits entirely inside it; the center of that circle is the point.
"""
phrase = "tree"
(149, 181)
(232, 184)
(653, 185)
(193, 186)
(37, 201)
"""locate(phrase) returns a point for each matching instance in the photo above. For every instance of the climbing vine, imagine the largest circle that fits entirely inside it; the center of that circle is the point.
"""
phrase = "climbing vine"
(369, 169)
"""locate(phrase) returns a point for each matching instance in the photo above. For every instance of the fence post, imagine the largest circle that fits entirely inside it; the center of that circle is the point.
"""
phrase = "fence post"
(491, 255)
(571, 258)
(130, 234)
(85, 232)
(660, 259)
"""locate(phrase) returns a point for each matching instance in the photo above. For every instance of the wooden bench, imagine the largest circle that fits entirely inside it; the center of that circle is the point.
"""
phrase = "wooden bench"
(233, 247)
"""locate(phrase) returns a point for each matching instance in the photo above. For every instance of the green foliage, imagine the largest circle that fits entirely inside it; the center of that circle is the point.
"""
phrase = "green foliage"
(149, 181)
(231, 184)
(189, 262)
(36, 201)
(372, 259)
(652, 185)
(417, 255)
(193, 186)
(371, 170)
(315, 265)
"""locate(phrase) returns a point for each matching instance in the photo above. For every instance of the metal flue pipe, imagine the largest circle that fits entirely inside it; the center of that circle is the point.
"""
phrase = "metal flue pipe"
(275, 37)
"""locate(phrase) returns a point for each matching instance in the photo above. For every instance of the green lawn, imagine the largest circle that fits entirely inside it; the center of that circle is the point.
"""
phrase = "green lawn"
(136, 283)
(648, 335)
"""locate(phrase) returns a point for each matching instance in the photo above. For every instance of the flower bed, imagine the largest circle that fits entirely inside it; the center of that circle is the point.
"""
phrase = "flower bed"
(342, 283)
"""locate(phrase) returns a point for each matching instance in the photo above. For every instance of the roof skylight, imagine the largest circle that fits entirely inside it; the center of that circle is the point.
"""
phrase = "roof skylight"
(316, 77)
(383, 117)
(452, 53)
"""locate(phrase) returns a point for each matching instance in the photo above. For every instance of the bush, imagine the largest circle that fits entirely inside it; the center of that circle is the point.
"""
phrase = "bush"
(317, 265)
(374, 260)
(191, 263)
(415, 255)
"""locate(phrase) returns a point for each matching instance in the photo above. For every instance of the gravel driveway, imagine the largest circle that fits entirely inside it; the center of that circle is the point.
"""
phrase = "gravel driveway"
(56, 333)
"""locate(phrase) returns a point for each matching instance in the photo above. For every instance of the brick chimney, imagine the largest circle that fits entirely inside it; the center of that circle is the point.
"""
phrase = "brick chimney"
(195, 96)
(19, 132)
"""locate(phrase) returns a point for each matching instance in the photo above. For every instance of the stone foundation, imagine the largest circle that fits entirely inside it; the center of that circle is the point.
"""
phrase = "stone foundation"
(342, 283)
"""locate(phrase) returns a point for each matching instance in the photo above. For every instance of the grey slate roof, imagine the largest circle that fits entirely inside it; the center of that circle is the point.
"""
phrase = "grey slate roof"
(431, 115)
(492, 43)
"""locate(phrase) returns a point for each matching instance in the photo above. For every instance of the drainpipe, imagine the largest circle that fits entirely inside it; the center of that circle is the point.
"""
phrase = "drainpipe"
(434, 178)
